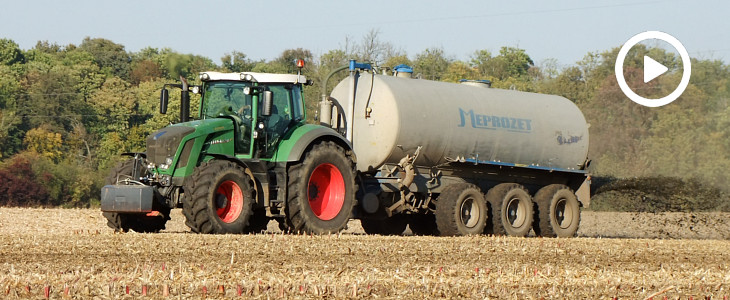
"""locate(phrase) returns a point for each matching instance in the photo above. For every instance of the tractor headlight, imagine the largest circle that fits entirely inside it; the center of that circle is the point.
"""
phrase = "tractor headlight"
(247, 77)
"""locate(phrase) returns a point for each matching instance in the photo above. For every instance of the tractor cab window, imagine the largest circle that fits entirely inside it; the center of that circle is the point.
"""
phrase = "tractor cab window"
(226, 98)
(297, 103)
(282, 114)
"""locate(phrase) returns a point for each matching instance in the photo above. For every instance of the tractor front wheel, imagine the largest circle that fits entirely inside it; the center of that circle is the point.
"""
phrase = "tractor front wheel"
(218, 198)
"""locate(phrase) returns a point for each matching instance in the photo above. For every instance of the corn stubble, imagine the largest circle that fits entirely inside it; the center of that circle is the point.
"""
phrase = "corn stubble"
(70, 254)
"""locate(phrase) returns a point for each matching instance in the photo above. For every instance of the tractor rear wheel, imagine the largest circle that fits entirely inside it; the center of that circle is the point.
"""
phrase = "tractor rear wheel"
(122, 222)
(321, 192)
(461, 210)
(218, 198)
(511, 209)
(558, 212)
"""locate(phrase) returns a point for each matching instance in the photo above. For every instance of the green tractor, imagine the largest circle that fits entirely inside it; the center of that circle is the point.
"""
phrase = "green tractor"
(248, 158)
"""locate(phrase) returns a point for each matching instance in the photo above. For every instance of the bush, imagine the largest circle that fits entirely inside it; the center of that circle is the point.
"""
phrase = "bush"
(656, 194)
(19, 184)
(30, 179)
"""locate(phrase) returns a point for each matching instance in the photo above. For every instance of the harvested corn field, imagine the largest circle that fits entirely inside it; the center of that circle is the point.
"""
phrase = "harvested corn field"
(54, 253)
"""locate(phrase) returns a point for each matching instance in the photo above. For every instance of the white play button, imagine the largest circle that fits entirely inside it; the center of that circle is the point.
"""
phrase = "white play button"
(652, 69)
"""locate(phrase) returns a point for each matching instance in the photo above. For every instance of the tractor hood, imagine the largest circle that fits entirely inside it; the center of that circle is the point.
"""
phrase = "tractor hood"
(164, 144)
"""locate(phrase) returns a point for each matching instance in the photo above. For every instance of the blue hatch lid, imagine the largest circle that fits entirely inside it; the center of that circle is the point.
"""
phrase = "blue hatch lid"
(403, 68)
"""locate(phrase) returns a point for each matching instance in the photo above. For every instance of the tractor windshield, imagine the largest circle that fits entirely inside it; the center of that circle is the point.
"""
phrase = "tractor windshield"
(226, 98)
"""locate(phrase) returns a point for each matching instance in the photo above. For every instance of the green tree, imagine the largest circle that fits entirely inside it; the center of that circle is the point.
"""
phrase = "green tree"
(10, 52)
(9, 118)
(394, 61)
(44, 142)
(236, 62)
(459, 70)
(186, 65)
(431, 64)
(510, 63)
(110, 57)
(286, 62)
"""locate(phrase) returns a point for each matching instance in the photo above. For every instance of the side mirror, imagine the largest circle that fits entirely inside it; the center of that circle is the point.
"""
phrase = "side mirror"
(268, 103)
(164, 98)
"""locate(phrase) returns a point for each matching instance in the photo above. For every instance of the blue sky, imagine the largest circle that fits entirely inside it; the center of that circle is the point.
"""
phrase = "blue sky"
(563, 30)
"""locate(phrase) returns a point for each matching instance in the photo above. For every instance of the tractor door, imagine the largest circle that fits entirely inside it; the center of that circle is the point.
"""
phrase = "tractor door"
(285, 113)
(226, 99)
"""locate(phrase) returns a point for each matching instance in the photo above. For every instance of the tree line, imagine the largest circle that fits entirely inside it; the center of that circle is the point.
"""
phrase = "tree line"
(68, 111)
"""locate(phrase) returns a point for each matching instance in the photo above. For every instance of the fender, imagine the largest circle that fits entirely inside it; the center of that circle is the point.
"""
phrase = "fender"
(317, 133)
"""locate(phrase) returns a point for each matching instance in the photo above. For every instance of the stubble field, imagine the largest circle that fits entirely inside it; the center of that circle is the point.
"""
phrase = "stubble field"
(57, 253)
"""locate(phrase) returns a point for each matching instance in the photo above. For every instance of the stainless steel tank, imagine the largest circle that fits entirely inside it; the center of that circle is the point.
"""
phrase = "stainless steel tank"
(394, 116)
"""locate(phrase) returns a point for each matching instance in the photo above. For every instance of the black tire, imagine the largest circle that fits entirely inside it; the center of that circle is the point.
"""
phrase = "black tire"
(121, 222)
(212, 203)
(326, 169)
(558, 212)
(461, 210)
(511, 209)
(259, 221)
(423, 225)
(394, 225)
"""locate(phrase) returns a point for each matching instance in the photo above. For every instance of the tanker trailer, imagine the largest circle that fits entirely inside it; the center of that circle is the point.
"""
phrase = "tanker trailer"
(458, 159)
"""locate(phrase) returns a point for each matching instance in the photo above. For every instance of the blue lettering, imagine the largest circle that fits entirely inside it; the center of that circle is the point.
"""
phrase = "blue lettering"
(461, 113)
(496, 122)
(479, 121)
(568, 140)
(505, 122)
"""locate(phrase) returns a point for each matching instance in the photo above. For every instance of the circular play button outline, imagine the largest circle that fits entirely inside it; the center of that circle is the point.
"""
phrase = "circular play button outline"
(686, 65)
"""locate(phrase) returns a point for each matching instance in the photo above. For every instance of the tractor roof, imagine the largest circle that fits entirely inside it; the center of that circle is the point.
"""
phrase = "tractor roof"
(257, 77)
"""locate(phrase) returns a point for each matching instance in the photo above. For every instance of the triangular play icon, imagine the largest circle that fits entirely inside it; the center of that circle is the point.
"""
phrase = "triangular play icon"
(652, 69)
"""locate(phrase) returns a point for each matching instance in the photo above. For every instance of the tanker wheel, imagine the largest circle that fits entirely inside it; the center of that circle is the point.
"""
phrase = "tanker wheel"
(321, 192)
(558, 212)
(394, 225)
(461, 210)
(218, 198)
(423, 224)
(511, 209)
(122, 222)
(259, 221)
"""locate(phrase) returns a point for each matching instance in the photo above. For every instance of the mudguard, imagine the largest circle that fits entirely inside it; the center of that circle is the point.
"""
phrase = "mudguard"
(319, 132)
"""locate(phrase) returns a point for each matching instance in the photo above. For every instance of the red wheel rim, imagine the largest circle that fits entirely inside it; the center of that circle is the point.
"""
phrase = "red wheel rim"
(229, 201)
(326, 191)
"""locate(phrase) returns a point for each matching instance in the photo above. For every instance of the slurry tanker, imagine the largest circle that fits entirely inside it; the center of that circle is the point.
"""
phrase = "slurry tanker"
(393, 151)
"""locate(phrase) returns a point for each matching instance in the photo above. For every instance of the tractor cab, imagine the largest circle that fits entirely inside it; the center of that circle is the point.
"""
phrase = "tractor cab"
(262, 106)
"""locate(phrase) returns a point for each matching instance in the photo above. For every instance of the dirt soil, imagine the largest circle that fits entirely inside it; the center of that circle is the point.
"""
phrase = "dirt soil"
(71, 253)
